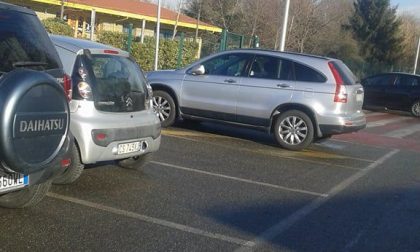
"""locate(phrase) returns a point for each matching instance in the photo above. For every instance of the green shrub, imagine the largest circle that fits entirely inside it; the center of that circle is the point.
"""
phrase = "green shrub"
(144, 53)
(57, 26)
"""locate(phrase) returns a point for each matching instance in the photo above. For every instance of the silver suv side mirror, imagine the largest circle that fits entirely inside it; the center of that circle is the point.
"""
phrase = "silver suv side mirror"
(198, 70)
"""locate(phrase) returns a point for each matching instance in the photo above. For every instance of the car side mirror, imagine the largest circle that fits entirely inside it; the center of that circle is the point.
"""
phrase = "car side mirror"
(198, 70)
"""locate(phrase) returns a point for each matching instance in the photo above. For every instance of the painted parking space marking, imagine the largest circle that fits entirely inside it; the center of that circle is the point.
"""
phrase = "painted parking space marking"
(288, 222)
(387, 121)
(152, 220)
(280, 153)
(403, 132)
(248, 181)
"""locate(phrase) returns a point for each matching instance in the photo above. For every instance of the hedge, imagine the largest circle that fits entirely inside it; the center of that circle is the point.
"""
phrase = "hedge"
(145, 53)
(57, 26)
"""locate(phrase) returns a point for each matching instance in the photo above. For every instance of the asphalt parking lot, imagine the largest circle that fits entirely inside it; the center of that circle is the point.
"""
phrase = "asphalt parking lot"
(220, 188)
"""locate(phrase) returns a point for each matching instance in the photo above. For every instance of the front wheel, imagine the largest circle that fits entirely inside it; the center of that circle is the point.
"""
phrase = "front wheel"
(415, 109)
(135, 163)
(164, 107)
(26, 197)
(294, 130)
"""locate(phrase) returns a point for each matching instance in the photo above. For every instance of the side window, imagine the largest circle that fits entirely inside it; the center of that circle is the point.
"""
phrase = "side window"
(271, 68)
(380, 81)
(304, 73)
(406, 81)
(227, 65)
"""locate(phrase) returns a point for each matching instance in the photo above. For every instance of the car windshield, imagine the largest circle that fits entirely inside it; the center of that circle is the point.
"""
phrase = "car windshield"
(18, 48)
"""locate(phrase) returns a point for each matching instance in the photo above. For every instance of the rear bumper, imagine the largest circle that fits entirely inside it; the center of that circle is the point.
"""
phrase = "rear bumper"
(328, 130)
(52, 169)
(341, 125)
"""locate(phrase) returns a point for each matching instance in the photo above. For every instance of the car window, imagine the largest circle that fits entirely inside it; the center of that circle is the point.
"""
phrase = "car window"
(406, 81)
(24, 43)
(380, 80)
(307, 74)
(227, 65)
(271, 68)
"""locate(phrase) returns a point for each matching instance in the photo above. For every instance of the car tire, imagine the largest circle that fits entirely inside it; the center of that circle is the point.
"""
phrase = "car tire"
(164, 107)
(73, 172)
(294, 130)
(135, 163)
(26, 197)
(415, 109)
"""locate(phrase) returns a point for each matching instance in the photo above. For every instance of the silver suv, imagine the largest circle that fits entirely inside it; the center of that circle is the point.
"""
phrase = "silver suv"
(299, 98)
(111, 107)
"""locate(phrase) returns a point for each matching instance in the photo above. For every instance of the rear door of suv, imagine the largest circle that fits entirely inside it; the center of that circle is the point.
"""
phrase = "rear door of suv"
(269, 82)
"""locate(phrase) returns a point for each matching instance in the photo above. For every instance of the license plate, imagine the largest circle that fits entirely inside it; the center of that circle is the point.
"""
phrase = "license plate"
(128, 148)
(13, 181)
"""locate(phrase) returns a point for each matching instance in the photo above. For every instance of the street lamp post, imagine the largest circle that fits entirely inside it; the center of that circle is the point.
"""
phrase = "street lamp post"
(285, 20)
(157, 36)
(417, 57)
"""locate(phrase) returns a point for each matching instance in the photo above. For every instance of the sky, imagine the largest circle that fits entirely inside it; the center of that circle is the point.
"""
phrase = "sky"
(409, 6)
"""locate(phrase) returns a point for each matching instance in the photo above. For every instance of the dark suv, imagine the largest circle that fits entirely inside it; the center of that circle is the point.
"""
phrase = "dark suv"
(34, 111)
(396, 91)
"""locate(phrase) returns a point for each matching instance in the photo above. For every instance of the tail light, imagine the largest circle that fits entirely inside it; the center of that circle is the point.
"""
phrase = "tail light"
(67, 86)
(85, 90)
(340, 90)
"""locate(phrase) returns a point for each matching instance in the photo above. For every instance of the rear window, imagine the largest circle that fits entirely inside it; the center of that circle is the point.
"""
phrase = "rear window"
(307, 74)
(118, 84)
(346, 74)
(24, 43)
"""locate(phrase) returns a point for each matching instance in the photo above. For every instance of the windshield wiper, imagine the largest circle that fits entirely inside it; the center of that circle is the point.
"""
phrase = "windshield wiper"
(28, 63)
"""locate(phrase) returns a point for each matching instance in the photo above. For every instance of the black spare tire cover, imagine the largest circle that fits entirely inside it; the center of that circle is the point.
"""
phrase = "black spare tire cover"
(34, 120)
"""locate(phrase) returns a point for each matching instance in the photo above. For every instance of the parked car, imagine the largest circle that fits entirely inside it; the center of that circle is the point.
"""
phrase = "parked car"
(111, 109)
(396, 91)
(296, 97)
(34, 111)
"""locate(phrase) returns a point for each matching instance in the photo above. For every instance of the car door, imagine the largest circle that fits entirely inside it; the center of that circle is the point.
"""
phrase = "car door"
(398, 96)
(213, 94)
(375, 88)
(268, 84)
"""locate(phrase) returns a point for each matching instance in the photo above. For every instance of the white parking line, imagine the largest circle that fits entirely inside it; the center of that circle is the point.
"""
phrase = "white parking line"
(149, 219)
(386, 121)
(286, 223)
(400, 133)
(241, 179)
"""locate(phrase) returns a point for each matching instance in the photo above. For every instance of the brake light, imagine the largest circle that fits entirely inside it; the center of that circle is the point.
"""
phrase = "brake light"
(67, 86)
(340, 90)
(111, 52)
(85, 90)
(100, 136)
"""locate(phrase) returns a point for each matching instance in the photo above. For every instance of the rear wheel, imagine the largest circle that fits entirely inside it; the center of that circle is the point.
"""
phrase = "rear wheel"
(415, 109)
(73, 172)
(135, 163)
(164, 107)
(26, 197)
(293, 130)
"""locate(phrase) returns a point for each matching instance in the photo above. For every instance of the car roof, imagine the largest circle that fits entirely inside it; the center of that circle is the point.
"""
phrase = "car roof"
(12, 7)
(399, 73)
(77, 45)
(279, 53)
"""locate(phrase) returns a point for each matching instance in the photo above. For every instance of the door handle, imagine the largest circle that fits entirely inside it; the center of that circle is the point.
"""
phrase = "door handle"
(283, 85)
(230, 81)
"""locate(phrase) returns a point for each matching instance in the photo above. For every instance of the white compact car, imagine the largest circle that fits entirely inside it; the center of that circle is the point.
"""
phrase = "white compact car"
(111, 113)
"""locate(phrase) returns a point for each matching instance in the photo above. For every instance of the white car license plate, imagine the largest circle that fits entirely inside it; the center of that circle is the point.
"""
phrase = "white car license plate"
(13, 181)
(128, 148)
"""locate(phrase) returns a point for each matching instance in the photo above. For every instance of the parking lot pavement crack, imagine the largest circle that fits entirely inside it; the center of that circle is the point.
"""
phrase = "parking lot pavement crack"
(241, 179)
(152, 220)
(300, 214)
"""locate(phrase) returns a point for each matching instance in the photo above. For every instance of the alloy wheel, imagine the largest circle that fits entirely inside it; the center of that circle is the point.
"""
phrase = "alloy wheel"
(161, 107)
(415, 109)
(293, 130)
